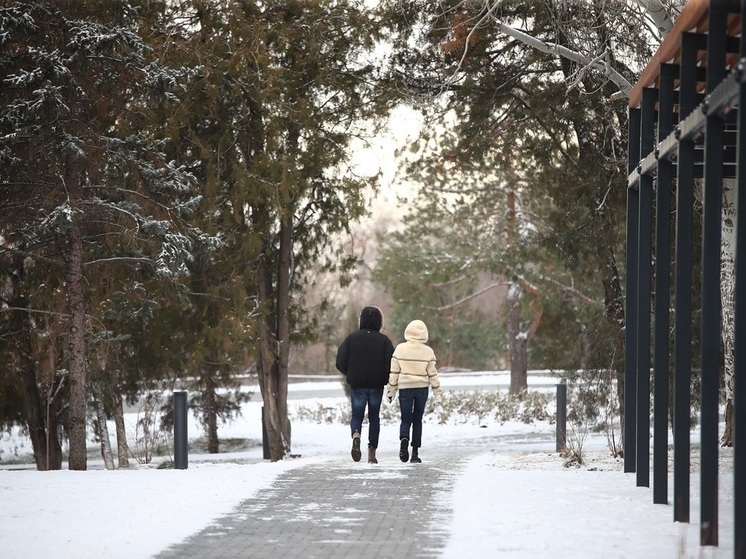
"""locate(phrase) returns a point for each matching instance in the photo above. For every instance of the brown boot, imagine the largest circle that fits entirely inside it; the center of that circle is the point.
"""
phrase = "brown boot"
(372, 456)
(355, 452)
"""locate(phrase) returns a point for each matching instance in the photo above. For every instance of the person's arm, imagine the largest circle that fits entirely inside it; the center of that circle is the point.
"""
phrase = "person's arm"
(432, 377)
(393, 384)
(343, 356)
(388, 353)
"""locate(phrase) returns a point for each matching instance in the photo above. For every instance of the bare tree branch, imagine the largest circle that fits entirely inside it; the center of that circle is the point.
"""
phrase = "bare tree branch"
(656, 10)
(658, 14)
(574, 292)
(35, 311)
(467, 298)
(598, 64)
(118, 259)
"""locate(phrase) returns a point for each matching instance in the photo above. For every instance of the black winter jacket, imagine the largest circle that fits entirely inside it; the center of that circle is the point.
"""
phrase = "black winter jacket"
(365, 358)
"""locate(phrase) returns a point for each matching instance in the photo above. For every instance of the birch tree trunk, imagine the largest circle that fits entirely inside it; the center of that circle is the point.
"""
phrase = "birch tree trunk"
(103, 433)
(727, 297)
(122, 446)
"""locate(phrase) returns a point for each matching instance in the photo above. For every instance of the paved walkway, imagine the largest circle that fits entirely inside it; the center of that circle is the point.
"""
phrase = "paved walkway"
(340, 510)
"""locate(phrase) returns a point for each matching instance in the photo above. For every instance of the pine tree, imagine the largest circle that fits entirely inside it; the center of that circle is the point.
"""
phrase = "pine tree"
(85, 192)
(265, 129)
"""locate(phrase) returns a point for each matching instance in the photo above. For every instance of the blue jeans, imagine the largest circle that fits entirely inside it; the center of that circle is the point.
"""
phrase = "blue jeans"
(371, 397)
(412, 403)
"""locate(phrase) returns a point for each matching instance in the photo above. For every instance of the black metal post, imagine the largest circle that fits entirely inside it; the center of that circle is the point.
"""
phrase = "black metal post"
(265, 439)
(561, 417)
(683, 285)
(668, 74)
(644, 274)
(181, 453)
(739, 342)
(711, 305)
(630, 330)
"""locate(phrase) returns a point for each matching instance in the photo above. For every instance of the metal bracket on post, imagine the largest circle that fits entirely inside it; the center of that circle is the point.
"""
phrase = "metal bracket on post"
(561, 417)
(181, 455)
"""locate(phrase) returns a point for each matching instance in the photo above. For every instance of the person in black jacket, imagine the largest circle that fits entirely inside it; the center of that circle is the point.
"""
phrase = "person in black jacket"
(364, 358)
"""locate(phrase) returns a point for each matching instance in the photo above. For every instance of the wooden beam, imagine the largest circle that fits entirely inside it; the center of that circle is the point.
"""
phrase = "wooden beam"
(692, 18)
(695, 18)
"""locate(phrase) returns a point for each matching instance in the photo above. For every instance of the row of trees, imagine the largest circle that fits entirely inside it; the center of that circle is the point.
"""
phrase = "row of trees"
(169, 172)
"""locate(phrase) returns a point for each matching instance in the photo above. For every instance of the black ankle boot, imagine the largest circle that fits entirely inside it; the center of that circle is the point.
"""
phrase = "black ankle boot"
(404, 449)
(355, 452)
(415, 459)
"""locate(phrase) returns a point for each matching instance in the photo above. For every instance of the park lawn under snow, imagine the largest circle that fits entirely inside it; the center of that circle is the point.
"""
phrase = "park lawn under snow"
(515, 497)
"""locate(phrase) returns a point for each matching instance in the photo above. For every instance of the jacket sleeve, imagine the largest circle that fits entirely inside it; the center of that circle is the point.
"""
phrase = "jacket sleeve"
(432, 376)
(393, 384)
(343, 356)
(388, 352)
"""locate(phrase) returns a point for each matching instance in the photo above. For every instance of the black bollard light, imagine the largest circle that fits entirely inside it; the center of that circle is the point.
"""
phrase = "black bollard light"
(181, 456)
(561, 417)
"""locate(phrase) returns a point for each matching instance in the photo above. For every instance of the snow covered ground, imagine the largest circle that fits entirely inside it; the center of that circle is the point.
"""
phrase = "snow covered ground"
(515, 498)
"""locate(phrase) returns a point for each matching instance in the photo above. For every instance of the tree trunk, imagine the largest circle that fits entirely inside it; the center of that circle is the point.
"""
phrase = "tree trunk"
(122, 447)
(76, 350)
(268, 366)
(52, 442)
(283, 323)
(518, 341)
(33, 409)
(727, 298)
(34, 417)
(103, 434)
(210, 414)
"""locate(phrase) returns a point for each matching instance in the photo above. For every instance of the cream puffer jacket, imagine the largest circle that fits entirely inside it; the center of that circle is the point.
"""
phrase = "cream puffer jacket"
(413, 362)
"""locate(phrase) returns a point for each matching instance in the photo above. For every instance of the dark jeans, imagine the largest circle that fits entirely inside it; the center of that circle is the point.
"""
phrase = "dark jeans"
(412, 403)
(371, 397)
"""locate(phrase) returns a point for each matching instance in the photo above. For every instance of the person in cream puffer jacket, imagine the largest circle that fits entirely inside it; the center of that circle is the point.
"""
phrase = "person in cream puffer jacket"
(413, 372)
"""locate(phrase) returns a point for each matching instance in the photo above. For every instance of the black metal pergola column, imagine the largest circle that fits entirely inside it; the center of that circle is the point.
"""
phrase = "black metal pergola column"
(644, 274)
(701, 120)
(683, 284)
(711, 306)
(739, 345)
(668, 74)
(630, 331)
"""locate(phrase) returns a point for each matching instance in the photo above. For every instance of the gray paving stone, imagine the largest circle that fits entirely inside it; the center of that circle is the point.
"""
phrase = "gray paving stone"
(339, 509)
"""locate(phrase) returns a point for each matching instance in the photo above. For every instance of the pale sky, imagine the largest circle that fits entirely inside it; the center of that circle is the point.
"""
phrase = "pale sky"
(380, 155)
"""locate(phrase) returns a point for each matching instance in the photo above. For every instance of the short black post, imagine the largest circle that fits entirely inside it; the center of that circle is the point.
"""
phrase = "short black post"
(265, 439)
(561, 417)
(181, 457)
